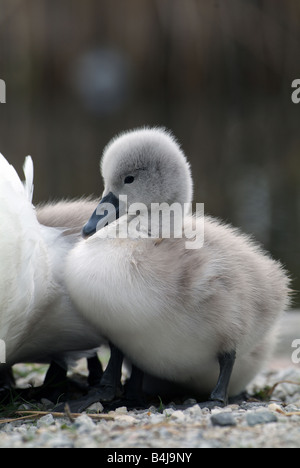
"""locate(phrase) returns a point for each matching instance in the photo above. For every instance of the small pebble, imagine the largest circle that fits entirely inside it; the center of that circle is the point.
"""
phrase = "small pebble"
(223, 419)
(121, 409)
(178, 415)
(260, 417)
(84, 424)
(126, 418)
(96, 408)
(45, 421)
(275, 407)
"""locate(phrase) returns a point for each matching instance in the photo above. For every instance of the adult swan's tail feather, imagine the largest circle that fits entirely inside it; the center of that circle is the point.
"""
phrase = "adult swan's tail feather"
(23, 254)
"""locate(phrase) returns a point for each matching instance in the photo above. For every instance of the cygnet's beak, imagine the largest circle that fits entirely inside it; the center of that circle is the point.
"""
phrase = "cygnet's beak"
(106, 212)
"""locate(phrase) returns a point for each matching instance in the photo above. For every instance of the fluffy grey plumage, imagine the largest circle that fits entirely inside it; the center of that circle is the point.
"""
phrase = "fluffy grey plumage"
(172, 310)
(67, 214)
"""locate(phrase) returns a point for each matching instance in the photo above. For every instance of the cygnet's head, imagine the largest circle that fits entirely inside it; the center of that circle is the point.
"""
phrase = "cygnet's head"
(148, 166)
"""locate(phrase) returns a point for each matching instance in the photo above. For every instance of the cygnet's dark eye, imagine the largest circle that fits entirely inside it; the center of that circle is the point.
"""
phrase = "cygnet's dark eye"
(128, 179)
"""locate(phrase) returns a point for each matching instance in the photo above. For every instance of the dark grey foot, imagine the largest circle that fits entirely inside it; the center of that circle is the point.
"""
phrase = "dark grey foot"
(108, 393)
(77, 406)
(95, 395)
(130, 403)
(210, 404)
(239, 399)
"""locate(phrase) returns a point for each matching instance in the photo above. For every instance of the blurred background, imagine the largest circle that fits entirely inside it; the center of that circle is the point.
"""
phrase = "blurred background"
(218, 74)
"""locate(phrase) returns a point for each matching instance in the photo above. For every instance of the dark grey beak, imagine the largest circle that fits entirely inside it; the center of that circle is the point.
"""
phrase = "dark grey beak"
(106, 212)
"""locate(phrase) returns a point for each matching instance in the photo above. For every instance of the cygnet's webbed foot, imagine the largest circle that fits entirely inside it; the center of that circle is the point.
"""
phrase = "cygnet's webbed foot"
(211, 404)
(81, 404)
(129, 403)
(239, 399)
(108, 393)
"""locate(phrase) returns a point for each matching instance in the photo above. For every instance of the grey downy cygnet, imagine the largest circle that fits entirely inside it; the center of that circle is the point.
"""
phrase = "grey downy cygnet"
(204, 317)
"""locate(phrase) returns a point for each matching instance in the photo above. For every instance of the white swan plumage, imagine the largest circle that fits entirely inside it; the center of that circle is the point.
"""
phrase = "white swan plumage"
(38, 321)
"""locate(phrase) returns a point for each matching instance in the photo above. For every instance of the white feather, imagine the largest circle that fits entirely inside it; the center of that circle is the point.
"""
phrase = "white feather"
(22, 263)
(29, 173)
(38, 322)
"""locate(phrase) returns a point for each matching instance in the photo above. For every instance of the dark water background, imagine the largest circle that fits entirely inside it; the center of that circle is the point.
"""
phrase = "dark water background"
(217, 73)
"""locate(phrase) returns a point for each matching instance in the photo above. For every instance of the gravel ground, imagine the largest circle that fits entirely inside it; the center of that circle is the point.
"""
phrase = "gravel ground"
(275, 423)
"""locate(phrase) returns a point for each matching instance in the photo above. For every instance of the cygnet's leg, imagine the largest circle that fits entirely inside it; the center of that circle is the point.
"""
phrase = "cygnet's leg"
(134, 385)
(6, 377)
(110, 384)
(95, 371)
(7, 383)
(133, 392)
(219, 396)
(58, 386)
(108, 389)
(55, 375)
